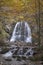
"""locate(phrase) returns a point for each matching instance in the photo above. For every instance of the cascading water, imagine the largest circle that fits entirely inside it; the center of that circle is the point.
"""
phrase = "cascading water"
(21, 32)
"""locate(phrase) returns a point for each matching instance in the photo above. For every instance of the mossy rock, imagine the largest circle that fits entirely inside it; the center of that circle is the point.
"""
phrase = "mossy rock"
(18, 58)
(24, 58)
(37, 58)
(4, 50)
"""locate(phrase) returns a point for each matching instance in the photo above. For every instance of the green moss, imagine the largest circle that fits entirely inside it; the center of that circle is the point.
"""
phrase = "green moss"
(33, 58)
(37, 58)
(39, 48)
(3, 33)
(39, 55)
(4, 50)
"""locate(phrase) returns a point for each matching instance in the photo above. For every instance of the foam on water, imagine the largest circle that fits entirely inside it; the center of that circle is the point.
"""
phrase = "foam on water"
(21, 32)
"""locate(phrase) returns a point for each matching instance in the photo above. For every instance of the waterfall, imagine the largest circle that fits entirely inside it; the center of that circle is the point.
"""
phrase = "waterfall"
(21, 32)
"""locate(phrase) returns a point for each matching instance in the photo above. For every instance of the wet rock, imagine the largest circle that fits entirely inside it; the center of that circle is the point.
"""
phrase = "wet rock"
(14, 50)
(13, 47)
(29, 52)
(23, 58)
(24, 64)
(8, 59)
(15, 53)
(20, 51)
(18, 58)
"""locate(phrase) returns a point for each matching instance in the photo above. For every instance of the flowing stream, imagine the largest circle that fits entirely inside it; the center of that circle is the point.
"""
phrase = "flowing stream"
(21, 32)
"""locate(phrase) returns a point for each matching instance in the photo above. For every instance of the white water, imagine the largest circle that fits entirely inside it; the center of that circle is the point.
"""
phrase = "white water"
(21, 32)
(8, 54)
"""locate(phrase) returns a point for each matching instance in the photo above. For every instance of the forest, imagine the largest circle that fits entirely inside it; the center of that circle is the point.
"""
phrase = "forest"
(13, 11)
